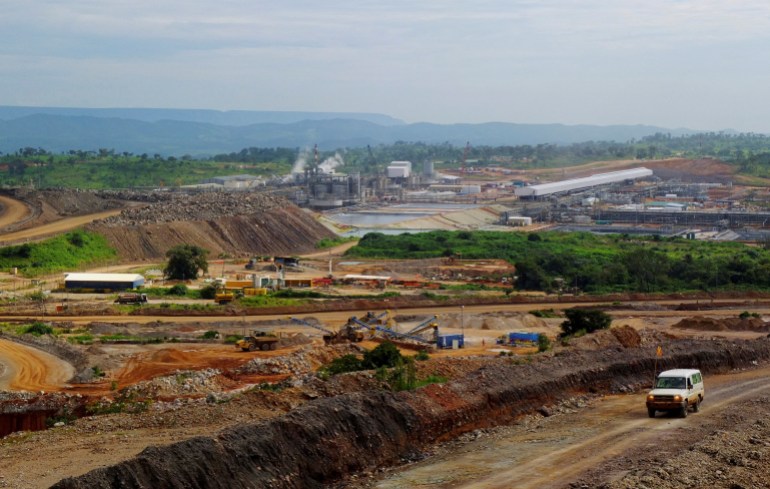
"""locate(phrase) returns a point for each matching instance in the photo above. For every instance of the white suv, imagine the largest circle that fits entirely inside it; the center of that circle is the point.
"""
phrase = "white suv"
(676, 390)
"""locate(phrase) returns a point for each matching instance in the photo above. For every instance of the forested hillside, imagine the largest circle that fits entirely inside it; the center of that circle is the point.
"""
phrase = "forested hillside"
(107, 168)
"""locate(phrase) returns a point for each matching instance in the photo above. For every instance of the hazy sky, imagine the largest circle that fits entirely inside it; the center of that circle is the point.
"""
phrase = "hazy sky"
(700, 64)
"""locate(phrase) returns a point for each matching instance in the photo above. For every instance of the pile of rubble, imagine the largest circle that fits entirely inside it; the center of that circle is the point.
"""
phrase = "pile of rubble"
(182, 383)
(197, 207)
(301, 362)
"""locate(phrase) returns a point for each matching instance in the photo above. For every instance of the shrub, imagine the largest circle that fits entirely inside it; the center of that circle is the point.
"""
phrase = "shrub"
(588, 320)
(385, 355)
(346, 363)
(208, 292)
(232, 339)
(210, 335)
(178, 289)
(543, 343)
(422, 355)
(38, 329)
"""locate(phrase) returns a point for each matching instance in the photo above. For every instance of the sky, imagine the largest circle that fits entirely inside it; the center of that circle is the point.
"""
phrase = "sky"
(696, 64)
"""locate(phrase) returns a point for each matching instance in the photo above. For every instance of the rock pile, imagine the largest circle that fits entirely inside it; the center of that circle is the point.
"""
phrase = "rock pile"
(239, 223)
(303, 361)
(197, 207)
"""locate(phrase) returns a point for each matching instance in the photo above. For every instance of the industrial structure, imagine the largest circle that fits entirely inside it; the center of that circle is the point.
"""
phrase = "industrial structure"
(103, 281)
(546, 189)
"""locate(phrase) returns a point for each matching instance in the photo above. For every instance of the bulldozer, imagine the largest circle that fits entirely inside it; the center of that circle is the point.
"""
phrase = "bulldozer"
(258, 340)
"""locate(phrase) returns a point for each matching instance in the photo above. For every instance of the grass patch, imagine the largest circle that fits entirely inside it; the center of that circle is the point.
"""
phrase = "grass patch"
(332, 242)
(71, 251)
(431, 379)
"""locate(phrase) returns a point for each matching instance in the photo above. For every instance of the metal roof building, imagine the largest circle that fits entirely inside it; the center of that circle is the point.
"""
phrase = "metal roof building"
(582, 183)
(103, 281)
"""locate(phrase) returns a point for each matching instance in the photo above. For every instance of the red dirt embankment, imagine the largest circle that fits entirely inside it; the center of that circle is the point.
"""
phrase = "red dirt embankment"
(357, 432)
(701, 323)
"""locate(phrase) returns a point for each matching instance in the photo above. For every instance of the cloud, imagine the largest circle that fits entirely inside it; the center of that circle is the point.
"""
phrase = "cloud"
(520, 60)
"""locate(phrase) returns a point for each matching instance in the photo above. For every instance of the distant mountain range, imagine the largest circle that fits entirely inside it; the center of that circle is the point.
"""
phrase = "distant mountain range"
(175, 132)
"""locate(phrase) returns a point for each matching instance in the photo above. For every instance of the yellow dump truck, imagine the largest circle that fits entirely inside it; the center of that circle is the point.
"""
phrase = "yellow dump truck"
(258, 340)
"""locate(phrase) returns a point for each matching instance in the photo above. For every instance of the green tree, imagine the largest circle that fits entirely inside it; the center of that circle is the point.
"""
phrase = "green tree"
(385, 355)
(184, 262)
(588, 320)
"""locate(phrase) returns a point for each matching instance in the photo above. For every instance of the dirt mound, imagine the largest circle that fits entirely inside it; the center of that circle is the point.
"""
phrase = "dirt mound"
(701, 323)
(627, 336)
(701, 170)
(281, 230)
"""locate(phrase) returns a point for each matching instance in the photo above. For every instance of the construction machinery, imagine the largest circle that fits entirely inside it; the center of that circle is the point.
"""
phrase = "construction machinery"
(354, 322)
(223, 297)
(345, 334)
(258, 340)
(424, 326)
(441, 341)
(414, 335)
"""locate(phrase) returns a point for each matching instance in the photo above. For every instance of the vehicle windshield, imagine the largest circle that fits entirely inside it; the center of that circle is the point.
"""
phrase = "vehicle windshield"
(670, 383)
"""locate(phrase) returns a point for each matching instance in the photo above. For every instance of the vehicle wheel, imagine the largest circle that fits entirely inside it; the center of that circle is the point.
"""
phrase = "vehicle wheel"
(696, 406)
(274, 346)
(683, 410)
(650, 412)
(252, 347)
(265, 346)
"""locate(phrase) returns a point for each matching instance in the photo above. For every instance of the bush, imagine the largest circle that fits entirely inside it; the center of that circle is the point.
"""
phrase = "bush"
(232, 339)
(178, 289)
(210, 335)
(589, 320)
(422, 355)
(346, 363)
(543, 343)
(38, 329)
(208, 292)
(385, 355)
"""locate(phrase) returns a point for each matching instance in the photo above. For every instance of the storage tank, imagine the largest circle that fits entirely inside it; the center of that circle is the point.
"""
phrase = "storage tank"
(428, 169)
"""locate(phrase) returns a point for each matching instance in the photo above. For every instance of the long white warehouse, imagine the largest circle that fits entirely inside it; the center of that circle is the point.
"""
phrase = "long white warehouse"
(581, 183)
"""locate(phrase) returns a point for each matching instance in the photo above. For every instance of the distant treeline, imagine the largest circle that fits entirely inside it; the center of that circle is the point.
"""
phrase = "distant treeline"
(106, 168)
(552, 261)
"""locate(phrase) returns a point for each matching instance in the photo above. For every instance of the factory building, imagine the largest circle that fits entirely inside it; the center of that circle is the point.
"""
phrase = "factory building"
(545, 189)
(103, 281)
(399, 169)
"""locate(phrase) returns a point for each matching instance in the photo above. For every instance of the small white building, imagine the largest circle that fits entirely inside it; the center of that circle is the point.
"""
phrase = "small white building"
(103, 281)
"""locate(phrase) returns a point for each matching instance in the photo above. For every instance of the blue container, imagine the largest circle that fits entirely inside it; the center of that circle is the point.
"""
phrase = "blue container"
(520, 337)
(447, 341)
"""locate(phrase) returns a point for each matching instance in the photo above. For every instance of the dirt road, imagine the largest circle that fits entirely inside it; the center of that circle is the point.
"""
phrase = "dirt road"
(555, 451)
(54, 227)
(30, 369)
(13, 211)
